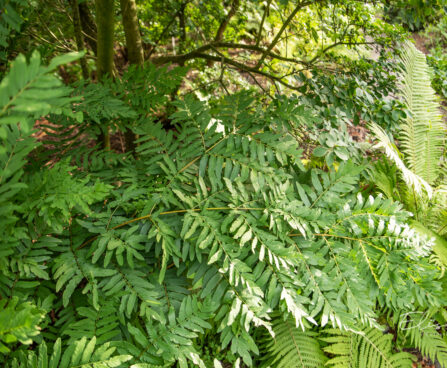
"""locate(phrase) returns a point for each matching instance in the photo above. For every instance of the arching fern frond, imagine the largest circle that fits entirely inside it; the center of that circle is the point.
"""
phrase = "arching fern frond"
(413, 180)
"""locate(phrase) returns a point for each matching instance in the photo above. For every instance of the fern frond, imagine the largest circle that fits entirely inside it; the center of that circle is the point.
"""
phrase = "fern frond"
(291, 347)
(412, 179)
(81, 354)
(18, 322)
(28, 91)
(384, 175)
(101, 324)
(423, 132)
(439, 243)
(367, 348)
(173, 338)
(424, 335)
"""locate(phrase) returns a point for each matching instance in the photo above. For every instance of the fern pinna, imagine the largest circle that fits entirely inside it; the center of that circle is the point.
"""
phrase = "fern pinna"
(205, 230)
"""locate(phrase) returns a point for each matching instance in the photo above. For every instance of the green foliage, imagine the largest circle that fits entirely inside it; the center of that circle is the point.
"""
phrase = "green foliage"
(233, 230)
(12, 14)
(438, 63)
(413, 180)
(292, 347)
(110, 104)
(344, 102)
(414, 14)
(423, 134)
(423, 334)
(81, 354)
(27, 92)
(422, 143)
(366, 348)
(205, 231)
(55, 208)
(18, 323)
(440, 243)
(150, 86)
(435, 41)
(361, 93)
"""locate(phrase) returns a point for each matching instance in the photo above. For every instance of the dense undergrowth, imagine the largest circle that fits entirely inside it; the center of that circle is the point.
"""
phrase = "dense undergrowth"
(301, 228)
(204, 234)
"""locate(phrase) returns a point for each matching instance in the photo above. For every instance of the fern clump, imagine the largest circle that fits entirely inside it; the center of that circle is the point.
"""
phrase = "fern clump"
(422, 142)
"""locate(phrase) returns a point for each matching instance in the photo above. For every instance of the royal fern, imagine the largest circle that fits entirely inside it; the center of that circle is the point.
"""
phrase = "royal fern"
(204, 231)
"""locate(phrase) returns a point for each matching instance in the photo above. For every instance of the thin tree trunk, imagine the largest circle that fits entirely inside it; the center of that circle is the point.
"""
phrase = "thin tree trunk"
(224, 24)
(132, 32)
(135, 52)
(182, 25)
(88, 25)
(79, 37)
(104, 59)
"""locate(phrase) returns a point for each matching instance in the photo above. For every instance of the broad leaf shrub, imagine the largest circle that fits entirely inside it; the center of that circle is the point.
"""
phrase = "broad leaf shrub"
(205, 231)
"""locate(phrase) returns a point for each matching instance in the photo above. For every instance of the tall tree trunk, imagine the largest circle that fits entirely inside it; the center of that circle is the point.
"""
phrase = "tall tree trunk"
(79, 36)
(88, 25)
(104, 58)
(134, 51)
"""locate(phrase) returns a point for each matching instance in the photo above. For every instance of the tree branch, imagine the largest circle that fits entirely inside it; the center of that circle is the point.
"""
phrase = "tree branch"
(258, 37)
(203, 52)
(200, 55)
(229, 45)
(258, 49)
(281, 31)
(224, 24)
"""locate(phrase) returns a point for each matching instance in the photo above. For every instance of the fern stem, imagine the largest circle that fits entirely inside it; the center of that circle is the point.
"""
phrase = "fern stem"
(170, 213)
